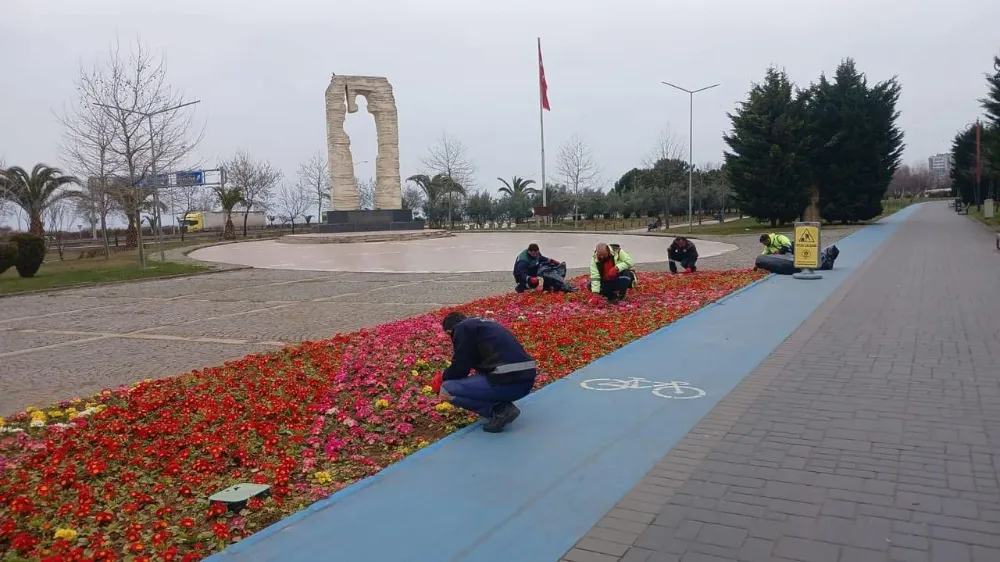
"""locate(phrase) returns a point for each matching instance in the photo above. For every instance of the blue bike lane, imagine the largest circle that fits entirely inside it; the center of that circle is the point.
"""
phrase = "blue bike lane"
(531, 492)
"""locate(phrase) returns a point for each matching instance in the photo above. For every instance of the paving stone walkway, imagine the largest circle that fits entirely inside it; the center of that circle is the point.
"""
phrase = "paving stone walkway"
(871, 434)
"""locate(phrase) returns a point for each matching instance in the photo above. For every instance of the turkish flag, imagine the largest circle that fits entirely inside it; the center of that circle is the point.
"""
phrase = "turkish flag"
(543, 87)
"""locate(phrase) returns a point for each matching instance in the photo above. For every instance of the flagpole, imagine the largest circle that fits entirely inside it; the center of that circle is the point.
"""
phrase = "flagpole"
(541, 125)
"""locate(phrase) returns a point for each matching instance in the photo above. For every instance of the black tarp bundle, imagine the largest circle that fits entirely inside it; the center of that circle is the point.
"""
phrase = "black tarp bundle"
(784, 264)
(556, 276)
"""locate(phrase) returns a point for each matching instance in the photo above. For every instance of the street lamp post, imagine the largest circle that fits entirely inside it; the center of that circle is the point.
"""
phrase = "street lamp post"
(152, 153)
(690, 94)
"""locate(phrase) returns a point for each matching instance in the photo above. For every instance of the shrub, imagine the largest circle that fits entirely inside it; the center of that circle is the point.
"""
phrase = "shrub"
(30, 253)
(8, 255)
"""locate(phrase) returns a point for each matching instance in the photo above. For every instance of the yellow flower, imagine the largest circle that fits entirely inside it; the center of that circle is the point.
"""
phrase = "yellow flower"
(422, 444)
(381, 403)
(38, 415)
(444, 407)
(427, 389)
(323, 477)
(421, 363)
(414, 373)
(55, 413)
(2, 423)
(30, 409)
(66, 534)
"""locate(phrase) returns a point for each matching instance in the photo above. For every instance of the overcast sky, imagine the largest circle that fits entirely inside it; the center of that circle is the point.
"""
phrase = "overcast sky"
(260, 69)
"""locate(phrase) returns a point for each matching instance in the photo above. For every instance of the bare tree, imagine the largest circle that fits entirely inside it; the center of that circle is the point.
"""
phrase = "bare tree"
(450, 157)
(575, 164)
(911, 181)
(256, 179)
(667, 146)
(4, 201)
(58, 217)
(126, 89)
(366, 193)
(315, 174)
(88, 134)
(292, 202)
(413, 198)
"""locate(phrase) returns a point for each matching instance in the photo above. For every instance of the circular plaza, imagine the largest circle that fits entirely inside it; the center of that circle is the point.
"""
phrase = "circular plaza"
(463, 253)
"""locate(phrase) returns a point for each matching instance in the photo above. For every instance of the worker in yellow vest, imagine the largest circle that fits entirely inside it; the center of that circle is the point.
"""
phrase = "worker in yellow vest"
(775, 243)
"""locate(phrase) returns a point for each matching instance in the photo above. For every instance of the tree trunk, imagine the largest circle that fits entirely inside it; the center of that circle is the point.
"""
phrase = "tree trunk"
(131, 235)
(36, 226)
(230, 231)
(811, 213)
(774, 223)
(245, 215)
(104, 235)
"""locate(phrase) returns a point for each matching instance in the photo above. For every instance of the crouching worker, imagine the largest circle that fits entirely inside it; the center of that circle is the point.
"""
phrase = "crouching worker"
(504, 372)
(775, 243)
(526, 269)
(611, 273)
(682, 251)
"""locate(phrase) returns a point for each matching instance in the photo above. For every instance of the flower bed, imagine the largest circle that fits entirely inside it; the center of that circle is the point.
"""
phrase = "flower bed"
(125, 474)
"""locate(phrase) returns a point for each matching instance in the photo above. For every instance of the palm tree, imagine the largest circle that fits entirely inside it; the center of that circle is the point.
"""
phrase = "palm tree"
(517, 187)
(436, 187)
(36, 191)
(229, 198)
(132, 201)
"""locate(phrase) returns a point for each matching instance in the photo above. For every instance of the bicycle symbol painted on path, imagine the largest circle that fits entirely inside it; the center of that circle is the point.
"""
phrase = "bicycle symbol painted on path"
(672, 389)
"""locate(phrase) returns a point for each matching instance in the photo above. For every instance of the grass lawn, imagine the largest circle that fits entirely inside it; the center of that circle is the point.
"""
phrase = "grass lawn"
(993, 223)
(751, 226)
(119, 267)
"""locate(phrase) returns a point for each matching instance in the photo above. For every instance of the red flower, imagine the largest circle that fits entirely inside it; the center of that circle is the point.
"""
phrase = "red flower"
(136, 547)
(23, 542)
(104, 517)
(221, 531)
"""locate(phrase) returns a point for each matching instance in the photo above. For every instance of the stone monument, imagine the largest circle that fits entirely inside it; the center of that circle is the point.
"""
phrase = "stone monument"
(341, 98)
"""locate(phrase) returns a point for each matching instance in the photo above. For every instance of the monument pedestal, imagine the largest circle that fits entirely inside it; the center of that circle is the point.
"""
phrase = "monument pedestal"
(370, 221)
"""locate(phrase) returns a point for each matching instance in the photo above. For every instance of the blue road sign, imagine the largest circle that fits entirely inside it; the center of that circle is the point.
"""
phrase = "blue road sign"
(191, 178)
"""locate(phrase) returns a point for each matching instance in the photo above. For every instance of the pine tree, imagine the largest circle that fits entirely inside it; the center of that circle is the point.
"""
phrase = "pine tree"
(963, 170)
(991, 132)
(857, 145)
(769, 142)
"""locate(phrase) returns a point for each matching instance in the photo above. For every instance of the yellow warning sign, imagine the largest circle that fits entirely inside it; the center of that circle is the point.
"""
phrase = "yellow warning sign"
(807, 245)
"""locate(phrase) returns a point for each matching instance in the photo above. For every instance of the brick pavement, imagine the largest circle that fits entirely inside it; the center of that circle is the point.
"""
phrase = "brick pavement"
(871, 434)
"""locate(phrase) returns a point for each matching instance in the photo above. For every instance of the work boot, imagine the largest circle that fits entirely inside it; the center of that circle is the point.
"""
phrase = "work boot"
(503, 414)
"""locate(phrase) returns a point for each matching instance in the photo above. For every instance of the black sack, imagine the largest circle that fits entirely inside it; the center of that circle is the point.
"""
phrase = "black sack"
(827, 257)
(781, 264)
(556, 276)
(784, 264)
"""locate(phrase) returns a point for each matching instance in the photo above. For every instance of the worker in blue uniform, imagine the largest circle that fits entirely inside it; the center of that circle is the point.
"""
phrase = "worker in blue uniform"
(489, 370)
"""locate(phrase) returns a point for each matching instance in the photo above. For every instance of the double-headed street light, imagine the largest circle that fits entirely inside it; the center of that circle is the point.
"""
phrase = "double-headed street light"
(691, 94)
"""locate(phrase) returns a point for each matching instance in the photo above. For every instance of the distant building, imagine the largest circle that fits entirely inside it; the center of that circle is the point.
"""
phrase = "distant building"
(940, 165)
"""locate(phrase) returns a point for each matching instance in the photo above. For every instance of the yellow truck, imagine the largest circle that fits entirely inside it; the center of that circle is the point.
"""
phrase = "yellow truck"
(215, 220)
